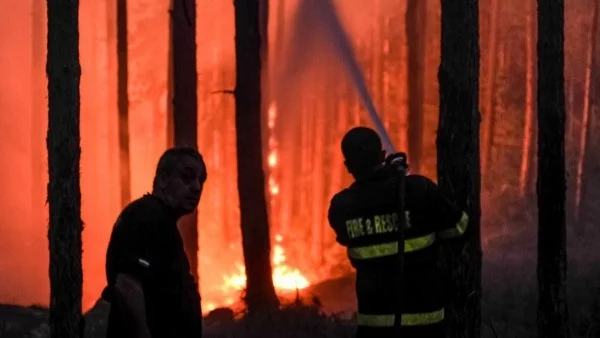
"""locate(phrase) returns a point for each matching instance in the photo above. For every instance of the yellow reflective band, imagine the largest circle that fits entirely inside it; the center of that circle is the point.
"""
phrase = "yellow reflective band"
(388, 249)
(418, 243)
(408, 319)
(460, 228)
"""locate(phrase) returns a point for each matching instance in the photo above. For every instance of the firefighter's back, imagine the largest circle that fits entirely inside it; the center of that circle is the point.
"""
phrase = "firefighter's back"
(365, 218)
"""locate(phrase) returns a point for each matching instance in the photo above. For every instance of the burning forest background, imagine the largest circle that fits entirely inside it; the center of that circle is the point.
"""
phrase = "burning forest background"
(308, 106)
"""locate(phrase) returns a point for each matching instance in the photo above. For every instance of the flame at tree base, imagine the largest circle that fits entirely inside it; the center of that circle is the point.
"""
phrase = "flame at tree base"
(285, 278)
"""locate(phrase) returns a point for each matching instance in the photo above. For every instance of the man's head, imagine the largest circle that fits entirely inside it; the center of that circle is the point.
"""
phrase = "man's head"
(180, 176)
(362, 150)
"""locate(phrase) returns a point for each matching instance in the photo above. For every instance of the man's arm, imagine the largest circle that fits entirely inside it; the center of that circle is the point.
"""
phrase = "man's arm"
(132, 261)
(129, 297)
(336, 220)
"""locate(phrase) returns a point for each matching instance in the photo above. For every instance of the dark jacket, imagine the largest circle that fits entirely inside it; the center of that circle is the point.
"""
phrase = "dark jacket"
(365, 219)
(146, 243)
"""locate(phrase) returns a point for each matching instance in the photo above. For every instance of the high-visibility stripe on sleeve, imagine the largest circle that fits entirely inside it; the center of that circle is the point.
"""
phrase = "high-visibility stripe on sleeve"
(408, 319)
(458, 230)
(388, 249)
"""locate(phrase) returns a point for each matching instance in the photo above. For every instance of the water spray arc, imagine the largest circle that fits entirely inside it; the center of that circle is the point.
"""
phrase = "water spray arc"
(327, 24)
(341, 43)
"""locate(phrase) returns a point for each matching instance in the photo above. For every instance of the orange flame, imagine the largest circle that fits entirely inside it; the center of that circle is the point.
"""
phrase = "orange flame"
(285, 277)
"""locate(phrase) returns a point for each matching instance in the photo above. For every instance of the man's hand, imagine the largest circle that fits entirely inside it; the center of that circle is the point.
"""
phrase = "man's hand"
(129, 295)
(398, 161)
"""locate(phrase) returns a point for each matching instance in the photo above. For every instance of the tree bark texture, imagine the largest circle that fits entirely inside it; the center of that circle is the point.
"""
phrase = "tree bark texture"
(586, 145)
(529, 130)
(551, 182)
(459, 174)
(260, 292)
(416, 33)
(488, 96)
(123, 101)
(185, 104)
(64, 194)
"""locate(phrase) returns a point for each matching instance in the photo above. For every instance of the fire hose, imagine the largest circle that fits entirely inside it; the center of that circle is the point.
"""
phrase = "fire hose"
(399, 163)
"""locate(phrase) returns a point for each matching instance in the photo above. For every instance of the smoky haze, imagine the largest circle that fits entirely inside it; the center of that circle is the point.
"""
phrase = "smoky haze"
(316, 104)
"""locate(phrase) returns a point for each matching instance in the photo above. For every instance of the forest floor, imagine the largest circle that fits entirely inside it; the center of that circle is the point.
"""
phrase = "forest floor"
(509, 302)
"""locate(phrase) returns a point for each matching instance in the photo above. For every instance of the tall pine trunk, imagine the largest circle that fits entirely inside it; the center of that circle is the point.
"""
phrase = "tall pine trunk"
(38, 109)
(459, 174)
(488, 97)
(529, 130)
(591, 90)
(416, 35)
(185, 104)
(123, 101)
(551, 185)
(260, 292)
(64, 194)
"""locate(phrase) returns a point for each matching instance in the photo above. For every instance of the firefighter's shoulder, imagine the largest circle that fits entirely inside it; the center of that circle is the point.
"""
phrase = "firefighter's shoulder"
(342, 201)
(419, 185)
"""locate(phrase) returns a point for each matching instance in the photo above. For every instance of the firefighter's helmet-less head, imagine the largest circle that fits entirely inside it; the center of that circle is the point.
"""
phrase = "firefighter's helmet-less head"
(362, 150)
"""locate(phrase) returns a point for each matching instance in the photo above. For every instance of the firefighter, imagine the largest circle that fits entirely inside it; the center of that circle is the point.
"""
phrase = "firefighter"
(150, 287)
(365, 218)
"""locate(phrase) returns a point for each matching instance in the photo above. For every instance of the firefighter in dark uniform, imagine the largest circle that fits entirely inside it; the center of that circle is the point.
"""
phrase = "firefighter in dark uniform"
(365, 218)
(150, 287)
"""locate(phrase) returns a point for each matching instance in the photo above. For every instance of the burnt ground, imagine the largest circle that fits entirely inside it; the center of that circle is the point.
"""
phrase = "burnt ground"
(509, 294)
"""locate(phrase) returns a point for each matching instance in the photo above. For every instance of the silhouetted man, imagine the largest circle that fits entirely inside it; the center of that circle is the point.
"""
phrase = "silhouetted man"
(150, 287)
(365, 218)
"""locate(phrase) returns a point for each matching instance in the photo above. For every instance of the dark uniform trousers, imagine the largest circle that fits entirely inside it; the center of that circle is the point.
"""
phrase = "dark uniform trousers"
(378, 300)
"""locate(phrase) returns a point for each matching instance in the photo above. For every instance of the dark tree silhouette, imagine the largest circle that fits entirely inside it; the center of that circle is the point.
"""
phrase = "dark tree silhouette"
(64, 194)
(458, 160)
(260, 292)
(416, 33)
(123, 102)
(551, 185)
(185, 103)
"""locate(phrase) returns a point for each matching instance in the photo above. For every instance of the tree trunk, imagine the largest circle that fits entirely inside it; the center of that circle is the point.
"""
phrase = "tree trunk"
(64, 194)
(528, 128)
(123, 101)
(39, 104)
(260, 292)
(488, 99)
(185, 104)
(551, 186)
(416, 33)
(591, 87)
(459, 174)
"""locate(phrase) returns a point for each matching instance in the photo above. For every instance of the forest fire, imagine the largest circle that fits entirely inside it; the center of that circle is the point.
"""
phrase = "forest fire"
(285, 278)
(302, 160)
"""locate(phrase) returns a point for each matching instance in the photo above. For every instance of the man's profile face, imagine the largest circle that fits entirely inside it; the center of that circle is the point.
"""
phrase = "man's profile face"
(184, 186)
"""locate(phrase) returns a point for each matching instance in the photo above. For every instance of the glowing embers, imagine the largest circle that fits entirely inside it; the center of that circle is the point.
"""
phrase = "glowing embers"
(272, 158)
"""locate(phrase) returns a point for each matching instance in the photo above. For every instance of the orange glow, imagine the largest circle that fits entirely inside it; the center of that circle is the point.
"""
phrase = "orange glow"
(284, 277)
(310, 107)
(304, 124)
(272, 159)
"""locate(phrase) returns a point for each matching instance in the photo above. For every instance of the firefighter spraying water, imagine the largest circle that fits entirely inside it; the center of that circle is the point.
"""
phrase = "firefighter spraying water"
(390, 223)
(391, 226)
